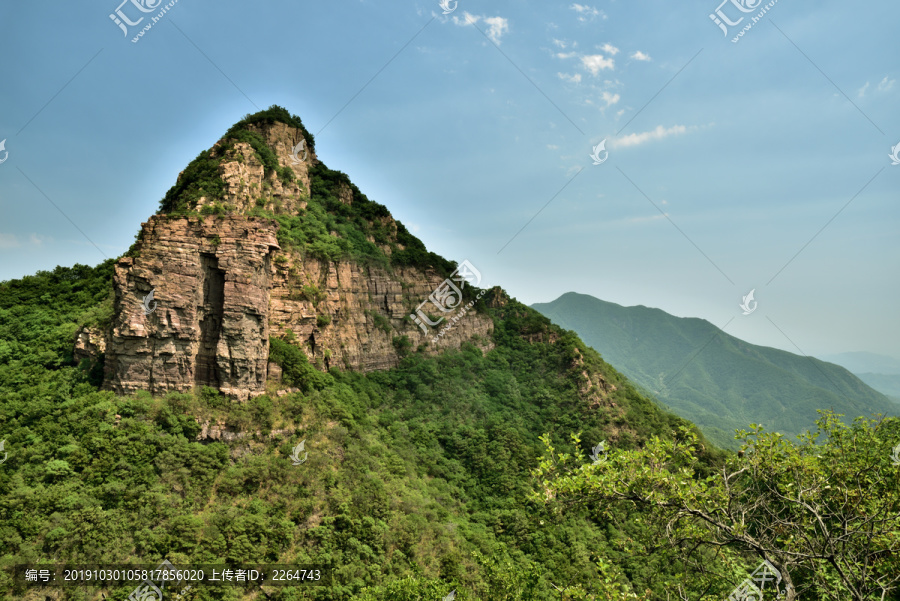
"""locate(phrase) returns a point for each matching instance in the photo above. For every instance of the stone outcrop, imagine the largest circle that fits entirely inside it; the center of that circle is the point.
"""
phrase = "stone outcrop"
(207, 322)
(90, 343)
(220, 431)
(592, 385)
(221, 286)
(246, 183)
(365, 310)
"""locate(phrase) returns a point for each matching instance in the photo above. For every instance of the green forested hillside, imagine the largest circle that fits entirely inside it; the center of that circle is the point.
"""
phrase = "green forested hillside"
(719, 382)
(417, 476)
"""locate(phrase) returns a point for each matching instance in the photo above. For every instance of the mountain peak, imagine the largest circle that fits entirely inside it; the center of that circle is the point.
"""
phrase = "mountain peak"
(263, 161)
(259, 245)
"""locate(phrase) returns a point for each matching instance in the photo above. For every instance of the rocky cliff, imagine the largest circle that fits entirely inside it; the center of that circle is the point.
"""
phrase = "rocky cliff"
(208, 282)
(208, 321)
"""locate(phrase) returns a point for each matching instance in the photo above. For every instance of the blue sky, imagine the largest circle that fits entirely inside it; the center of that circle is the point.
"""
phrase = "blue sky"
(725, 160)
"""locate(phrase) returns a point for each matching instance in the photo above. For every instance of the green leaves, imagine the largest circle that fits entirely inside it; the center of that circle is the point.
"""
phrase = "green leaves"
(826, 513)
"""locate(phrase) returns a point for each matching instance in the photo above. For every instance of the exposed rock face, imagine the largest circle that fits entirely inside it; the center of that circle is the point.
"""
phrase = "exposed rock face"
(246, 183)
(90, 343)
(366, 309)
(208, 321)
(498, 297)
(222, 286)
(592, 386)
(219, 431)
(219, 293)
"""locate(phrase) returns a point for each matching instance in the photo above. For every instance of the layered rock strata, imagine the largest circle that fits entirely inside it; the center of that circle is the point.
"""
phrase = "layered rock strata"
(206, 323)
(222, 285)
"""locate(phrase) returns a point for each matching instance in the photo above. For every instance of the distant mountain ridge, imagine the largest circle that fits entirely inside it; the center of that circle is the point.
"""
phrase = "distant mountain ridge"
(886, 384)
(865, 363)
(881, 372)
(719, 382)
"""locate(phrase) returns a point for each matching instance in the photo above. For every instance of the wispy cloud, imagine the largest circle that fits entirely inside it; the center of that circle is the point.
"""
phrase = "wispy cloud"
(609, 49)
(610, 99)
(656, 134)
(640, 56)
(497, 26)
(576, 78)
(13, 241)
(883, 86)
(586, 13)
(9, 241)
(596, 63)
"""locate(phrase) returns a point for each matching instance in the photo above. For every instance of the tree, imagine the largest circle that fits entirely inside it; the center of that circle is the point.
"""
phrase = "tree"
(825, 514)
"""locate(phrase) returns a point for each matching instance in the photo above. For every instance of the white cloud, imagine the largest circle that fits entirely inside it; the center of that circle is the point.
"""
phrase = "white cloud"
(640, 56)
(552, 146)
(497, 26)
(9, 241)
(609, 49)
(610, 99)
(565, 54)
(559, 43)
(581, 8)
(586, 12)
(883, 86)
(657, 134)
(570, 78)
(597, 62)
(467, 19)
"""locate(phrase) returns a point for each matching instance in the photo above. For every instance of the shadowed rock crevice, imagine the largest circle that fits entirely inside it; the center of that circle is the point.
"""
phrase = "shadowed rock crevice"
(206, 372)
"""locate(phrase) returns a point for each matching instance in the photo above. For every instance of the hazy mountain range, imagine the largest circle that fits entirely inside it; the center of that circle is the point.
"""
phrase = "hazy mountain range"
(712, 378)
(881, 372)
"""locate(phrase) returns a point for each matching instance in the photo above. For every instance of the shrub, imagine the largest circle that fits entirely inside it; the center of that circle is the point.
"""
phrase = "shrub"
(381, 322)
(313, 294)
(402, 345)
(212, 398)
(261, 411)
(296, 369)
